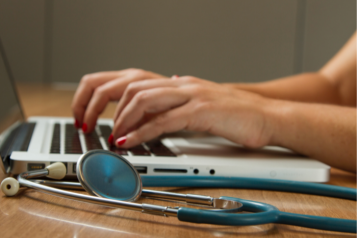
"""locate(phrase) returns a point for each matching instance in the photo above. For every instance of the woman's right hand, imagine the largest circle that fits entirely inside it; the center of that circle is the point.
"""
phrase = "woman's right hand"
(97, 89)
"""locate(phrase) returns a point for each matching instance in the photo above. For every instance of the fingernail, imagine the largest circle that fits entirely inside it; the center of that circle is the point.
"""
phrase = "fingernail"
(77, 124)
(174, 76)
(121, 140)
(110, 139)
(84, 127)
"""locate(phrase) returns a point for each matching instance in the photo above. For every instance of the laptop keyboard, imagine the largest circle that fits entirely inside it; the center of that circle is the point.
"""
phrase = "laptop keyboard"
(72, 142)
(56, 140)
(92, 141)
(158, 148)
(105, 132)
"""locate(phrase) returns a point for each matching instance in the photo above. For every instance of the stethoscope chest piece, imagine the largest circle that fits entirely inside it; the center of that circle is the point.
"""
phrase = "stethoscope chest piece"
(108, 175)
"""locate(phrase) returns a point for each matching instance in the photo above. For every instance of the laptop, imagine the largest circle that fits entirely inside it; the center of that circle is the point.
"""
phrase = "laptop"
(39, 141)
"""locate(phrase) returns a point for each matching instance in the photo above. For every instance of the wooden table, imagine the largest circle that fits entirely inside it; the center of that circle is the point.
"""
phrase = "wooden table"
(35, 214)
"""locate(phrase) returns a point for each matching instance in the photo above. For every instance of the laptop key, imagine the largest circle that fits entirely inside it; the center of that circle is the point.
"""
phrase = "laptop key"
(105, 131)
(56, 139)
(92, 141)
(156, 146)
(139, 150)
(72, 142)
(159, 149)
(118, 151)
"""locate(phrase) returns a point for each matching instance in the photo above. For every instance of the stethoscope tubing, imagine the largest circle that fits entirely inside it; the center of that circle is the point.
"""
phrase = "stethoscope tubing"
(250, 183)
(262, 213)
(265, 213)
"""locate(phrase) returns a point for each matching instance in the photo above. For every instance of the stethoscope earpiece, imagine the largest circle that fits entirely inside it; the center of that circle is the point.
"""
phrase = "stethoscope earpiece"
(10, 186)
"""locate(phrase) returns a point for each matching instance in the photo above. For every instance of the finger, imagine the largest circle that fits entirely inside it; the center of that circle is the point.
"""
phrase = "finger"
(167, 122)
(136, 87)
(148, 101)
(85, 90)
(100, 98)
(108, 91)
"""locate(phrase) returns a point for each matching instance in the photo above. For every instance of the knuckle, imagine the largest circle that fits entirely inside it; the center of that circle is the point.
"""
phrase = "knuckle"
(131, 69)
(189, 79)
(99, 92)
(202, 107)
(137, 72)
(131, 89)
(195, 90)
(141, 97)
(161, 120)
(87, 79)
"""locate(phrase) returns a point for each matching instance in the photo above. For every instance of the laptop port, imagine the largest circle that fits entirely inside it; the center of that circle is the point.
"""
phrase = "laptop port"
(74, 166)
(141, 169)
(35, 166)
(170, 171)
(212, 171)
(196, 171)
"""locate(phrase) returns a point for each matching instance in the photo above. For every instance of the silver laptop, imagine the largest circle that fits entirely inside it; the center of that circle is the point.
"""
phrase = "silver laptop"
(39, 141)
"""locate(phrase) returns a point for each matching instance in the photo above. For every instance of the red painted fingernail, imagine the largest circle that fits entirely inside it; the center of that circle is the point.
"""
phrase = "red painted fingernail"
(77, 124)
(121, 140)
(84, 127)
(110, 139)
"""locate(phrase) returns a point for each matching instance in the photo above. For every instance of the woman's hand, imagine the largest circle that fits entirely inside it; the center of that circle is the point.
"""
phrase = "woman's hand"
(97, 89)
(150, 108)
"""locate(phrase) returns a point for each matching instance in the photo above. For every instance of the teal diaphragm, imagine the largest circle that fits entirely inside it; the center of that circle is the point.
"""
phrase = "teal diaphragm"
(108, 175)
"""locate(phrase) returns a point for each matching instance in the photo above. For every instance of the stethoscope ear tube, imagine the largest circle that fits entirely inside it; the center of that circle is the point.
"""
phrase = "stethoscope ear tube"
(264, 213)
(250, 183)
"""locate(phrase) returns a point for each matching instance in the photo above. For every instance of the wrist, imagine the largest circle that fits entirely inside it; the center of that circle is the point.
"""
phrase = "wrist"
(278, 124)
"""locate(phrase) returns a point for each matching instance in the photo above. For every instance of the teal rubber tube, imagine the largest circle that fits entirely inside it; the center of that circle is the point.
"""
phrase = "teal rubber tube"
(317, 222)
(249, 183)
(264, 213)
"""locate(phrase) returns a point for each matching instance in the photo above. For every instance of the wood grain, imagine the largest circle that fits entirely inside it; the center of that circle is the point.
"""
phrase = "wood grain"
(35, 214)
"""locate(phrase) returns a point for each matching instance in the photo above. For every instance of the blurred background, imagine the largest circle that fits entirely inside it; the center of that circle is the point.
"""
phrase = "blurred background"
(58, 41)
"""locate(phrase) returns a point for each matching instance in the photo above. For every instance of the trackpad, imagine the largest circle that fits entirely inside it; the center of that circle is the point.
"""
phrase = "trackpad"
(213, 146)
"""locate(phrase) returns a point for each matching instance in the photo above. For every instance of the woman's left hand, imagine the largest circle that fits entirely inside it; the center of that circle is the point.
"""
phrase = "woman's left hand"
(150, 108)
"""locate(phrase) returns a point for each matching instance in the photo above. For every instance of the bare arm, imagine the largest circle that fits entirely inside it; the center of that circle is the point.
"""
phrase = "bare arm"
(335, 83)
(323, 132)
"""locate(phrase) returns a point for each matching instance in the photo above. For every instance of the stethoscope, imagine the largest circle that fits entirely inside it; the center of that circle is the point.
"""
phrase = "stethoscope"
(113, 181)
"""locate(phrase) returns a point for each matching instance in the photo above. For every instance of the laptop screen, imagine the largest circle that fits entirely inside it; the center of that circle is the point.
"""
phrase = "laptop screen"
(10, 109)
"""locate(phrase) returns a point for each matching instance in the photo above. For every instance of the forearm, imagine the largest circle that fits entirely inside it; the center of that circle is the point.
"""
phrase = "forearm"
(307, 87)
(323, 132)
(335, 83)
